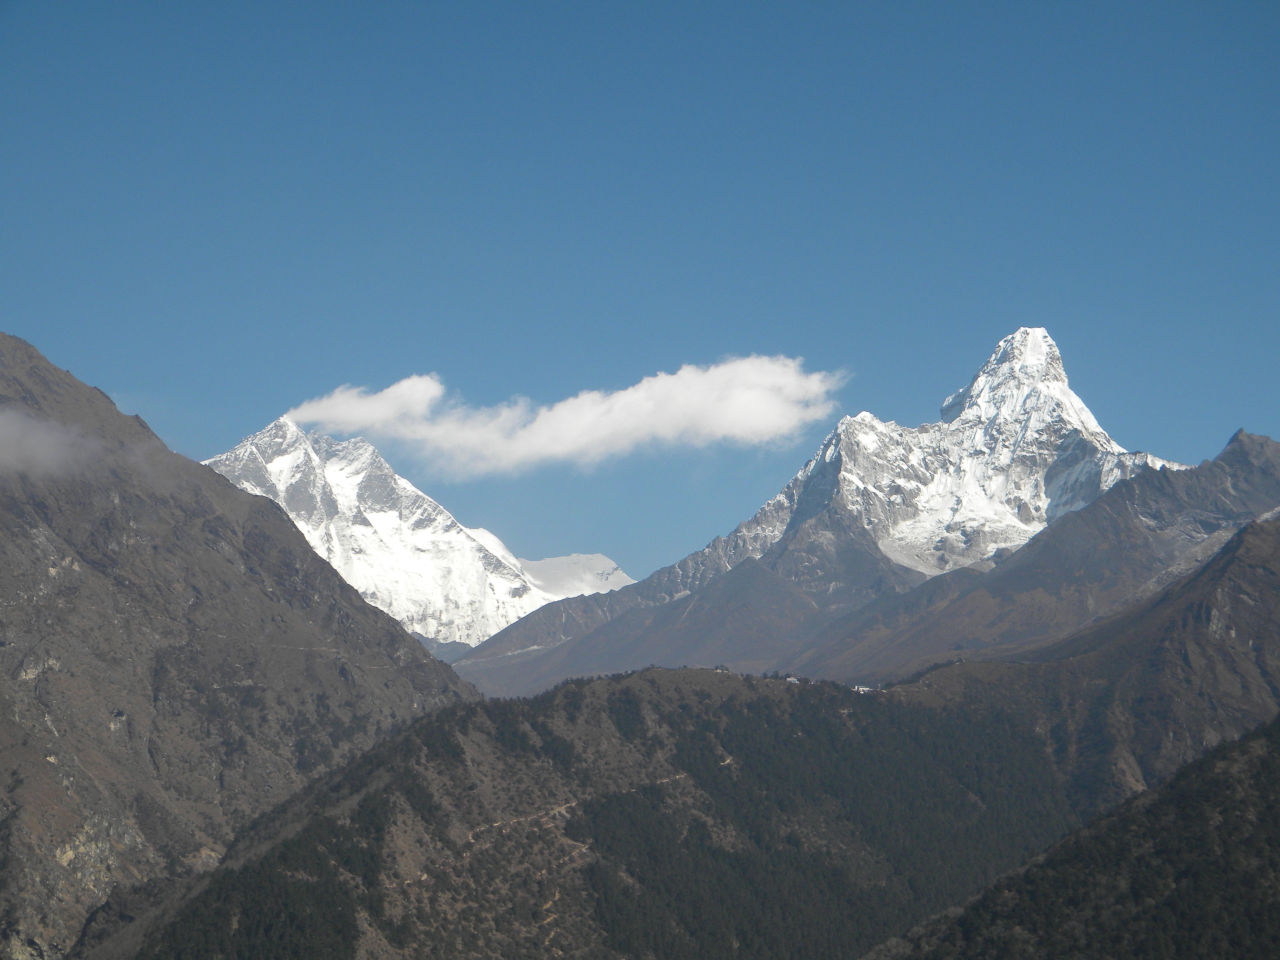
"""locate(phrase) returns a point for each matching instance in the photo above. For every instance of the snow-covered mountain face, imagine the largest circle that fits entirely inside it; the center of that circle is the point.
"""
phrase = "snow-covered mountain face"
(403, 551)
(576, 574)
(1014, 450)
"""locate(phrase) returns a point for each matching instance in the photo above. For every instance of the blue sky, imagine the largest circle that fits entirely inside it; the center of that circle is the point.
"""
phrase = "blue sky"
(216, 212)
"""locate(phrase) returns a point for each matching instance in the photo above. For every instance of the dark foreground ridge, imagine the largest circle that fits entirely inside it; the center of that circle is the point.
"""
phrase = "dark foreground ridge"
(665, 814)
(1187, 871)
(695, 813)
(174, 658)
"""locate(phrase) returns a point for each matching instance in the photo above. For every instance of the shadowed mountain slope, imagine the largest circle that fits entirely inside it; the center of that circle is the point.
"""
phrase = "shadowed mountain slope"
(674, 814)
(745, 617)
(1129, 701)
(698, 814)
(174, 658)
(1189, 870)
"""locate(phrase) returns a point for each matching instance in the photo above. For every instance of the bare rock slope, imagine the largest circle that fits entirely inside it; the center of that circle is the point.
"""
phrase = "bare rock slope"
(174, 658)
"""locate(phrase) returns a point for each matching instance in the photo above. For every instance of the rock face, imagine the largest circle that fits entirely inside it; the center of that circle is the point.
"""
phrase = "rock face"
(403, 551)
(174, 658)
(877, 511)
(1014, 450)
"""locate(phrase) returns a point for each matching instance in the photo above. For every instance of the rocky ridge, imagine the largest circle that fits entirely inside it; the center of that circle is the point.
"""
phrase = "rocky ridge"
(174, 658)
(1129, 544)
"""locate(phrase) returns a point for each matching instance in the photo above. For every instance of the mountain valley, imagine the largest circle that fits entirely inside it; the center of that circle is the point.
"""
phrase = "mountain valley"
(996, 628)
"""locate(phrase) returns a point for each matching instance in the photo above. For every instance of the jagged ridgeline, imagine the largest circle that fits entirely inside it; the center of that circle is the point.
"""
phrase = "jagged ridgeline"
(666, 814)
(1039, 525)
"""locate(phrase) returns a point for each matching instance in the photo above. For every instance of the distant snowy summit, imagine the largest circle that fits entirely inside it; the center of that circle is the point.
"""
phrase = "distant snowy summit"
(1014, 450)
(576, 574)
(404, 552)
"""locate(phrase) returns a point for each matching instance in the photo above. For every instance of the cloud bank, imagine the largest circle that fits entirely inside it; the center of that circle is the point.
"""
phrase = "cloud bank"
(748, 401)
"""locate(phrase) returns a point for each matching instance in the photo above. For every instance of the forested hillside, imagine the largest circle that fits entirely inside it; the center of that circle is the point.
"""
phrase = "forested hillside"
(664, 814)
(1190, 870)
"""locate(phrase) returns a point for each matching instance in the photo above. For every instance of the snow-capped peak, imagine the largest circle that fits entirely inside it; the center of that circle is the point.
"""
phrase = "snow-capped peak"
(1014, 450)
(1023, 378)
(403, 551)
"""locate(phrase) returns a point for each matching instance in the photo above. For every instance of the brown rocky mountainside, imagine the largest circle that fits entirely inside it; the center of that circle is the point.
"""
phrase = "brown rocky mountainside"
(1185, 871)
(697, 814)
(1132, 699)
(682, 815)
(174, 658)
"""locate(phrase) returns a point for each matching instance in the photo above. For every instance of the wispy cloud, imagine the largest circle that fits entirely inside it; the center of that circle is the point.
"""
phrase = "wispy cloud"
(28, 445)
(747, 401)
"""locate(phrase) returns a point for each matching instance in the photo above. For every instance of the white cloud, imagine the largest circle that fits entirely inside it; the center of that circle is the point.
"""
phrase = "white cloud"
(748, 401)
(28, 445)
